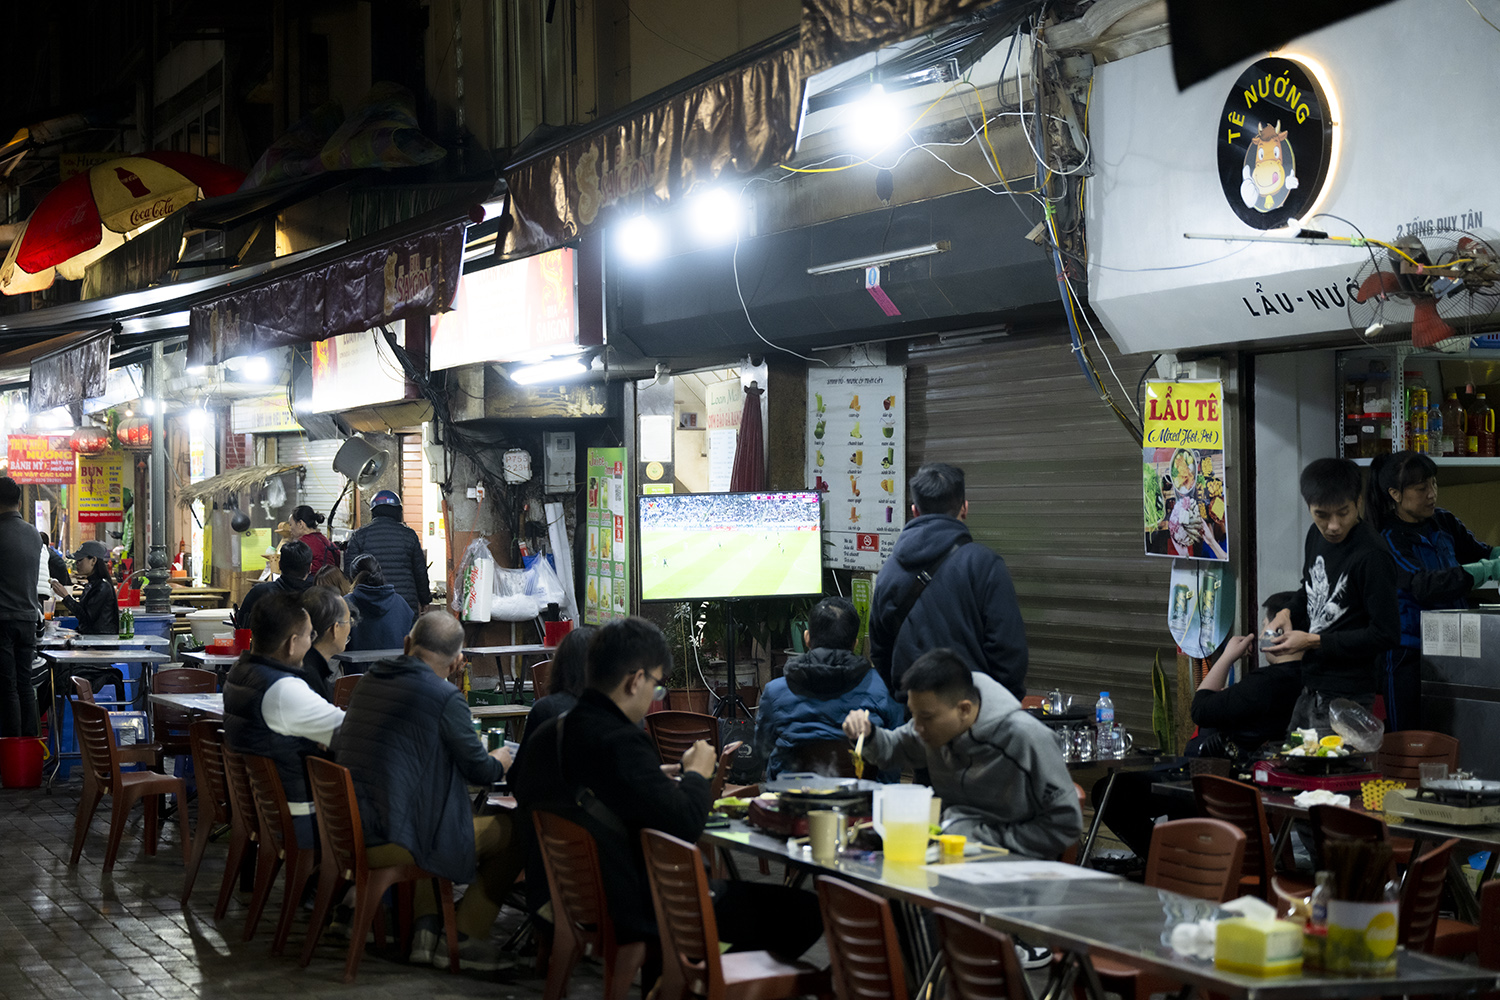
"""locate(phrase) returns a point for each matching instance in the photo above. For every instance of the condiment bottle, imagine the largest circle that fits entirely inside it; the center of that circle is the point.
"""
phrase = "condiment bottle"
(1482, 428)
(1455, 427)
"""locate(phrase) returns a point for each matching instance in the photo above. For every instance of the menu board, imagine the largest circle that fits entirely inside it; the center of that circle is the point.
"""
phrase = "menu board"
(1186, 503)
(38, 459)
(101, 487)
(606, 542)
(856, 457)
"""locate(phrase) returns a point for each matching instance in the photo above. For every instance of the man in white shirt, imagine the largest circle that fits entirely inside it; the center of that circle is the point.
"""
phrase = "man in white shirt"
(269, 709)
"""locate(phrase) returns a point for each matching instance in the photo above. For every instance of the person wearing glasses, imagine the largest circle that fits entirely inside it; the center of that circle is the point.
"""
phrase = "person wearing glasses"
(595, 766)
(332, 619)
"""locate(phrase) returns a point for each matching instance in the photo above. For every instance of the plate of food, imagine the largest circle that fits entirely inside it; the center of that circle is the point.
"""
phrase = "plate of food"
(1305, 752)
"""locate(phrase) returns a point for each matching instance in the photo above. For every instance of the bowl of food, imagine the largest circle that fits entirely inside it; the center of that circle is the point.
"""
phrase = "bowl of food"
(1184, 469)
(1310, 754)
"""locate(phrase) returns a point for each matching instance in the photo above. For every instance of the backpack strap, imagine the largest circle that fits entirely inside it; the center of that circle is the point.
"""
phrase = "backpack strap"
(584, 798)
(914, 592)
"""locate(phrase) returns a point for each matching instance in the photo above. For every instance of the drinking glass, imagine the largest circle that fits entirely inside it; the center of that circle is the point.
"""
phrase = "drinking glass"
(1428, 773)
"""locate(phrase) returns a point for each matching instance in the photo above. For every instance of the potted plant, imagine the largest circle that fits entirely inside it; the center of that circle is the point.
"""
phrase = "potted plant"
(683, 632)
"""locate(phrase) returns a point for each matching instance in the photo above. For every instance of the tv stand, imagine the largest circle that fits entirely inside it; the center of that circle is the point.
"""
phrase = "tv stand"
(731, 701)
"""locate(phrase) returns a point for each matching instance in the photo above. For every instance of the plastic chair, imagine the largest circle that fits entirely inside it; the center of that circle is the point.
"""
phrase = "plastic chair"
(863, 950)
(1332, 823)
(343, 689)
(1070, 854)
(244, 826)
(674, 732)
(170, 724)
(1033, 701)
(1201, 858)
(981, 961)
(1489, 925)
(149, 754)
(344, 861)
(581, 920)
(691, 963)
(541, 678)
(278, 845)
(1401, 754)
(1238, 804)
(207, 739)
(1420, 927)
(716, 785)
(827, 757)
(102, 776)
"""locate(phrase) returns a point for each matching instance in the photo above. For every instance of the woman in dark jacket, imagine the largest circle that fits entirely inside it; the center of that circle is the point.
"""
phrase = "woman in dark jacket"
(97, 609)
(304, 528)
(1438, 561)
(566, 680)
(331, 622)
(384, 617)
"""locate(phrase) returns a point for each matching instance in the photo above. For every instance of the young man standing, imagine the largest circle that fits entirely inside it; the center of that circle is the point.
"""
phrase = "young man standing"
(20, 611)
(1348, 596)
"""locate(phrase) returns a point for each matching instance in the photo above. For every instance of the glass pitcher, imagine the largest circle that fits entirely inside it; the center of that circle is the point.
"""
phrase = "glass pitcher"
(901, 818)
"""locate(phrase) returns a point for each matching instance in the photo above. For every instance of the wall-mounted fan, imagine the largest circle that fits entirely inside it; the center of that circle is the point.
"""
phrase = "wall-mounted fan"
(1446, 288)
(360, 461)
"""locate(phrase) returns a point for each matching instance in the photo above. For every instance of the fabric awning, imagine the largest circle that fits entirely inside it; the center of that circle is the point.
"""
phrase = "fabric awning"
(217, 487)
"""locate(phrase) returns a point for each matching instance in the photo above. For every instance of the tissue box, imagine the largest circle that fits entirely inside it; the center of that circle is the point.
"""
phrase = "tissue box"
(1254, 947)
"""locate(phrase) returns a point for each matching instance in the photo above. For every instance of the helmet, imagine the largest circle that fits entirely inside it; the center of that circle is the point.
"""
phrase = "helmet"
(386, 498)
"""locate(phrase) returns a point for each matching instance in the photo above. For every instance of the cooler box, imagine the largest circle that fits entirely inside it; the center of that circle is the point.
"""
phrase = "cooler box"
(154, 625)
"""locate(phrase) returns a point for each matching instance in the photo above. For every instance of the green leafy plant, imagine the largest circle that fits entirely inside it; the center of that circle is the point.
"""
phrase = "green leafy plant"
(1161, 709)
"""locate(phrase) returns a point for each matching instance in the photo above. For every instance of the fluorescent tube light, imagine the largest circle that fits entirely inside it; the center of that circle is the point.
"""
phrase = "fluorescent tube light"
(551, 370)
(875, 259)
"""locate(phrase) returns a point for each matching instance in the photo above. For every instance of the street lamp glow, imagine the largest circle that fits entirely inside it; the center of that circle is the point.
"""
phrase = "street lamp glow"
(641, 240)
(256, 369)
(715, 215)
(874, 121)
(197, 418)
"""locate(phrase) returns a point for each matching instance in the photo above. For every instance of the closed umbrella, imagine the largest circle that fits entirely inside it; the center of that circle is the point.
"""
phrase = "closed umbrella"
(749, 471)
(89, 214)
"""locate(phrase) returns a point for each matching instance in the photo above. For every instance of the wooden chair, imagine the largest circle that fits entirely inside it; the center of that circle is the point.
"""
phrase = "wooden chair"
(827, 757)
(244, 827)
(1402, 753)
(674, 732)
(1420, 927)
(344, 861)
(1202, 858)
(278, 846)
(1033, 701)
(863, 950)
(1331, 823)
(169, 725)
(691, 962)
(541, 678)
(1489, 924)
(149, 754)
(581, 920)
(207, 739)
(1238, 804)
(102, 776)
(717, 787)
(981, 961)
(343, 689)
(689, 700)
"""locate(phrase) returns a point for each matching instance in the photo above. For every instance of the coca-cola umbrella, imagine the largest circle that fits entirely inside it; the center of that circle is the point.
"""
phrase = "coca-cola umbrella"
(91, 213)
(749, 470)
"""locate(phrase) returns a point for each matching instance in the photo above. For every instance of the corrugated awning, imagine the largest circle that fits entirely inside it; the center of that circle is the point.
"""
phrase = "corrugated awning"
(226, 483)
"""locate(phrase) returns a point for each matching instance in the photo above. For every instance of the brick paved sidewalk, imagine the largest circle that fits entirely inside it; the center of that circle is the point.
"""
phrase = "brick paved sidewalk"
(73, 932)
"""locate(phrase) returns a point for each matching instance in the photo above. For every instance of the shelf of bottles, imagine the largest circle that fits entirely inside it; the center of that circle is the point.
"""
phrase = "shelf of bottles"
(1440, 403)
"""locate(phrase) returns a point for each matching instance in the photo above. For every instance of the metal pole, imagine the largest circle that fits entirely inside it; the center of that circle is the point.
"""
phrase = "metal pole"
(157, 593)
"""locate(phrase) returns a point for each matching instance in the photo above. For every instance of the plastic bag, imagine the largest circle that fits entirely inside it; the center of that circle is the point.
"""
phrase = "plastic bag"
(542, 583)
(511, 602)
(474, 590)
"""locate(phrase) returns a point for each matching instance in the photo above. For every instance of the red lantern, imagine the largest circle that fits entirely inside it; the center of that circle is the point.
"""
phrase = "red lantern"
(89, 441)
(135, 433)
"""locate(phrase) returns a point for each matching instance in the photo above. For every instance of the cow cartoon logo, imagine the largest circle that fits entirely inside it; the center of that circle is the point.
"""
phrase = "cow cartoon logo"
(1270, 170)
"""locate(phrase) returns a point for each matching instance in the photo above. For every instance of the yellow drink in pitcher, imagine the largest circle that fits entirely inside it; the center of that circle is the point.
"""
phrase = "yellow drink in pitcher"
(905, 842)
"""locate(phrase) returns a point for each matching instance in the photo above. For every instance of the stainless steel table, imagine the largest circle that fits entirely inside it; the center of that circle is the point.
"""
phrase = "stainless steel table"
(64, 661)
(516, 652)
(365, 657)
(219, 663)
(1114, 765)
(209, 705)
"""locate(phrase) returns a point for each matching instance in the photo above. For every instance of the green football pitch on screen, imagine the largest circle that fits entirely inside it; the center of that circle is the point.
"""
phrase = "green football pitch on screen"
(702, 563)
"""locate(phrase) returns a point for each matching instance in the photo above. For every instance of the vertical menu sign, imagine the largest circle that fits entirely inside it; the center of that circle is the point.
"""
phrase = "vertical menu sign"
(856, 457)
(1182, 471)
(606, 545)
(101, 488)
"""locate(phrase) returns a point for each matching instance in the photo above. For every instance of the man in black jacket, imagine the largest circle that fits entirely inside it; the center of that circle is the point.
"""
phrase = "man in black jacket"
(970, 604)
(296, 558)
(408, 742)
(596, 766)
(396, 547)
(21, 551)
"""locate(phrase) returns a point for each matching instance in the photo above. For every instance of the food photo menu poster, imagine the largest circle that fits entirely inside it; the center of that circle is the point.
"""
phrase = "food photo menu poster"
(1183, 471)
(606, 569)
(856, 457)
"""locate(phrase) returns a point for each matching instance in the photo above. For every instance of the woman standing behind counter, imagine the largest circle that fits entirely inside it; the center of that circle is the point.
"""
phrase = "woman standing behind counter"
(1438, 561)
(97, 608)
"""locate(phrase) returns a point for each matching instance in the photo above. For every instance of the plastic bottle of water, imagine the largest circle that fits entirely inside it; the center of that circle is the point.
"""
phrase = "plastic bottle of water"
(1104, 709)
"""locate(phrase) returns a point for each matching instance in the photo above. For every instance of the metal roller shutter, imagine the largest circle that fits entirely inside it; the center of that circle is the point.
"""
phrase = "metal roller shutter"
(1054, 486)
(412, 460)
(322, 486)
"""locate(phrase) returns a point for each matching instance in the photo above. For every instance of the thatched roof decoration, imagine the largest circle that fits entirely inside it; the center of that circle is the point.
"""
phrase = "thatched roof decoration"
(220, 486)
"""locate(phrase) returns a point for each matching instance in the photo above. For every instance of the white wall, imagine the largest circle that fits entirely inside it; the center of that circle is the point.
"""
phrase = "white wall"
(1296, 412)
(1417, 87)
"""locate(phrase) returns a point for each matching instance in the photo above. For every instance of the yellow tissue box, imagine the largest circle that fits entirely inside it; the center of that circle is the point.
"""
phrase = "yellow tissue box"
(1251, 947)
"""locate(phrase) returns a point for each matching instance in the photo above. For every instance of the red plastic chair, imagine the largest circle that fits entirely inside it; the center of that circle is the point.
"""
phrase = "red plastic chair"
(1489, 925)
(1421, 928)
(344, 861)
(102, 776)
(244, 827)
(541, 678)
(981, 961)
(691, 962)
(207, 739)
(278, 845)
(1403, 753)
(169, 724)
(674, 732)
(149, 754)
(1238, 804)
(580, 911)
(863, 950)
(343, 689)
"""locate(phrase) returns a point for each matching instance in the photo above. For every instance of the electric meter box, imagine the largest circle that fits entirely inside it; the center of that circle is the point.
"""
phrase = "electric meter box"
(559, 462)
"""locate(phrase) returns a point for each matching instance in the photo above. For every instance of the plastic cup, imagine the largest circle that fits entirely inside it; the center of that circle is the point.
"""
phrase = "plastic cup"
(951, 846)
(901, 818)
(825, 834)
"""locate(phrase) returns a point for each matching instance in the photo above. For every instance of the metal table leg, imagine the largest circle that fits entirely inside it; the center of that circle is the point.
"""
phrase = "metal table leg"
(1087, 850)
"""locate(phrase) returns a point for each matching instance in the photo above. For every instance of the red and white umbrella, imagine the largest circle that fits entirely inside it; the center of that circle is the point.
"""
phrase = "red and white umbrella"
(91, 213)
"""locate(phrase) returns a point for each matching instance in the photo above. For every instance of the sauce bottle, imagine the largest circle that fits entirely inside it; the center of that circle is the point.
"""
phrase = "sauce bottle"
(1455, 444)
(1482, 429)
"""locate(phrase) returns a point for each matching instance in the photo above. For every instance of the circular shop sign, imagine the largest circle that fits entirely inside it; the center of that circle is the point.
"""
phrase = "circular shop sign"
(1275, 143)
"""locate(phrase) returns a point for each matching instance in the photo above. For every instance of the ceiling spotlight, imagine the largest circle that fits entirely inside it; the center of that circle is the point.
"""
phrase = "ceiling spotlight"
(197, 418)
(641, 240)
(715, 215)
(256, 369)
(551, 370)
(874, 121)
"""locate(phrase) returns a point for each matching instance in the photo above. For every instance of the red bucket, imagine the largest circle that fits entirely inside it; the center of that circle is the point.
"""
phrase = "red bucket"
(555, 631)
(21, 761)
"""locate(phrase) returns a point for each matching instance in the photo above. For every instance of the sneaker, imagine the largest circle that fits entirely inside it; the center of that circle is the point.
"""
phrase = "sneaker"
(338, 926)
(426, 933)
(474, 955)
(1032, 956)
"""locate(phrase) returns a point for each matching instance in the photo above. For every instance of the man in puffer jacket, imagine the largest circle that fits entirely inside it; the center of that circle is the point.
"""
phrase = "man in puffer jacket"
(819, 689)
(396, 546)
(997, 769)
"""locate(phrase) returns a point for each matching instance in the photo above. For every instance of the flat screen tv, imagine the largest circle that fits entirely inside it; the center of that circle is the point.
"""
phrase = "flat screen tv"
(713, 546)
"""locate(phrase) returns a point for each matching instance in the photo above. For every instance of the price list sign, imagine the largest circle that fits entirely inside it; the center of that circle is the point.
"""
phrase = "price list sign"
(856, 457)
(606, 545)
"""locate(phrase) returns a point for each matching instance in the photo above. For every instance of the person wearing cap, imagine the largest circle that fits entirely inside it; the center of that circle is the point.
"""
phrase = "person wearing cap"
(20, 613)
(396, 547)
(97, 609)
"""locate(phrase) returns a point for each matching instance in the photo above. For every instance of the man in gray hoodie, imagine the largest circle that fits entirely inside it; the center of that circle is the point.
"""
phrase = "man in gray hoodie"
(998, 771)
